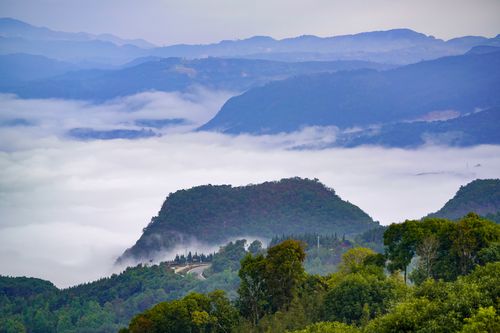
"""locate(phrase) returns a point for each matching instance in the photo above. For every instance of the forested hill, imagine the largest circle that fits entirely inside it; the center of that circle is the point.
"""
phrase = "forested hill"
(481, 196)
(365, 97)
(213, 214)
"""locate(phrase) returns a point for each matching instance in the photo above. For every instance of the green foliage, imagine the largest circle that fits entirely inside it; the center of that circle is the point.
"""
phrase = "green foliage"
(444, 306)
(457, 290)
(215, 213)
(360, 290)
(373, 239)
(481, 196)
(445, 249)
(228, 257)
(400, 241)
(101, 306)
(212, 313)
(486, 320)
(329, 327)
(320, 260)
(284, 272)
(354, 259)
(255, 247)
(253, 294)
(269, 284)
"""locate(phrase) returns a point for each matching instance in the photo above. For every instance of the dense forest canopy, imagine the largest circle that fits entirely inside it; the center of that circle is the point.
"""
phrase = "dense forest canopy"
(481, 196)
(452, 286)
(214, 214)
(277, 295)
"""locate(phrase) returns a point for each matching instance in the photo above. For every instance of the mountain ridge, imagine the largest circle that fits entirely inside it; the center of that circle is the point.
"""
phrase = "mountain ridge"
(364, 97)
(394, 46)
(481, 196)
(214, 214)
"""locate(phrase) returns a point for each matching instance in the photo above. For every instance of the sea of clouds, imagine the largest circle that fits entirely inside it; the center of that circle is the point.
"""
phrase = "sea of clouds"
(68, 207)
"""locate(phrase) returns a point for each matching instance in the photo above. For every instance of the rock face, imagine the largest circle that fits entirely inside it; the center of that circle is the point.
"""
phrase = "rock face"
(213, 214)
(481, 196)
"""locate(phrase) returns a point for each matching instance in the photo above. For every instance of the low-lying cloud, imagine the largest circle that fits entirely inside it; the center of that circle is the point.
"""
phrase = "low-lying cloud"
(69, 208)
(24, 123)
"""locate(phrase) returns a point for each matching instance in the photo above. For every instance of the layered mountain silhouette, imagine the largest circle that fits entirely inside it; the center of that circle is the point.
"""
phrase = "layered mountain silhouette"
(171, 74)
(458, 84)
(397, 46)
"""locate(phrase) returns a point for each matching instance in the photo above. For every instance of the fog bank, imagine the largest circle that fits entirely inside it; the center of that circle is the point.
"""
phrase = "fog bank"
(69, 208)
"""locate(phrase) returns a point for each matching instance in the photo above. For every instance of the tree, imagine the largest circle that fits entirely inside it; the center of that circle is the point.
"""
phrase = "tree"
(255, 247)
(354, 259)
(329, 327)
(269, 284)
(359, 296)
(485, 320)
(284, 272)
(253, 301)
(400, 242)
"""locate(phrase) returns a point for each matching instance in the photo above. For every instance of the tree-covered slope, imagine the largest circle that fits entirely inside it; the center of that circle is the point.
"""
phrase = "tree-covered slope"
(363, 98)
(471, 129)
(213, 214)
(174, 74)
(481, 196)
(34, 305)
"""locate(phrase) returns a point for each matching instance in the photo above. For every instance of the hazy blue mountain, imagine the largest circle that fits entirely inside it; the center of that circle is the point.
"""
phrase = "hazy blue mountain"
(481, 196)
(95, 53)
(26, 67)
(175, 74)
(214, 214)
(365, 97)
(397, 46)
(472, 129)
(482, 49)
(13, 28)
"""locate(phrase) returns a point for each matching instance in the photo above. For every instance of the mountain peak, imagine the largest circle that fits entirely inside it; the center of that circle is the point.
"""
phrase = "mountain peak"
(481, 196)
(213, 214)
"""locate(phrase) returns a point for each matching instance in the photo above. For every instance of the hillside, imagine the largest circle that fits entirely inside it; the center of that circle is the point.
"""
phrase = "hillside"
(472, 129)
(23, 67)
(172, 74)
(481, 196)
(214, 214)
(35, 305)
(363, 98)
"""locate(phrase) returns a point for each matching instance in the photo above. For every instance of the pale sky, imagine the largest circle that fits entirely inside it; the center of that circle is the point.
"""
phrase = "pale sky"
(195, 21)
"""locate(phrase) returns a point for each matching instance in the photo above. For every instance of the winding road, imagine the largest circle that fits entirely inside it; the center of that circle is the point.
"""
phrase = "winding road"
(198, 271)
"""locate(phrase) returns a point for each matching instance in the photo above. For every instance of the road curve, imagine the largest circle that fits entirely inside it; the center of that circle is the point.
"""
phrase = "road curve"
(198, 271)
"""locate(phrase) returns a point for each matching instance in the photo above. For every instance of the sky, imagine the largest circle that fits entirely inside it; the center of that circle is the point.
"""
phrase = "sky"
(166, 22)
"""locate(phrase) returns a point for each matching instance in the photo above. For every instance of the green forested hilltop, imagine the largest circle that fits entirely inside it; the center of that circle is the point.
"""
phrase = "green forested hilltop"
(213, 214)
(481, 196)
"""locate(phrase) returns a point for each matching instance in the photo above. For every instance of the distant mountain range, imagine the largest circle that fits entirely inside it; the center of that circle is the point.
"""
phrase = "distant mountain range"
(373, 86)
(214, 214)
(397, 46)
(12, 28)
(400, 103)
(481, 196)
(171, 74)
